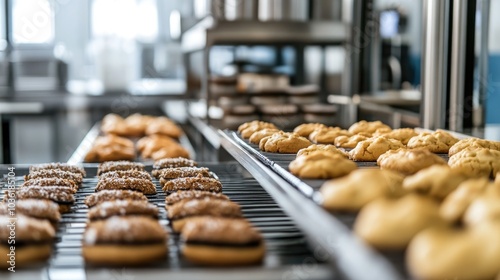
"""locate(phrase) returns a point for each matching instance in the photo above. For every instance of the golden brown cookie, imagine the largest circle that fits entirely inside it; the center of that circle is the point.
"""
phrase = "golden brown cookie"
(113, 124)
(138, 174)
(469, 253)
(136, 124)
(58, 166)
(173, 163)
(158, 147)
(36, 237)
(183, 211)
(133, 184)
(408, 161)
(360, 187)
(258, 135)
(108, 209)
(321, 148)
(131, 240)
(284, 143)
(164, 126)
(193, 183)
(36, 208)
(402, 134)
(247, 131)
(189, 195)
(119, 165)
(437, 142)
(454, 205)
(437, 181)
(484, 208)
(307, 128)
(327, 135)
(51, 182)
(110, 195)
(349, 142)
(109, 148)
(222, 242)
(473, 143)
(371, 149)
(388, 223)
(368, 127)
(321, 165)
(476, 163)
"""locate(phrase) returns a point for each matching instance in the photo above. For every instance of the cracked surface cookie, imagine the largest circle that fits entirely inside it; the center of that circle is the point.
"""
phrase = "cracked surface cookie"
(437, 181)
(321, 165)
(476, 163)
(369, 127)
(349, 142)
(307, 128)
(473, 143)
(408, 161)
(327, 135)
(371, 149)
(285, 143)
(438, 142)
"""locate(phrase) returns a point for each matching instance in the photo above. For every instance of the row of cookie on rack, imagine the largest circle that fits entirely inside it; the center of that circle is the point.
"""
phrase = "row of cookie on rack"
(159, 139)
(29, 214)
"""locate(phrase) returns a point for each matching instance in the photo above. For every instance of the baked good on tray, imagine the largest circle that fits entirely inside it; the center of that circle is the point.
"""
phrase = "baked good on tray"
(182, 212)
(371, 149)
(456, 203)
(321, 148)
(63, 196)
(51, 182)
(437, 181)
(321, 165)
(108, 209)
(54, 173)
(133, 184)
(138, 174)
(349, 142)
(476, 162)
(110, 195)
(58, 166)
(258, 135)
(484, 208)
(391, 223)
(190, 195)
(173, 162)
(247, 129)
(160, 146)
(284, 143)
(360, 187)
(164, 126)
(327, 135)
(41, 209)
(33, 238)
(193, 183)
(109, 148)
(408, 161)
(182, 172)
(473, 143)
(307, 128)
(368, 127)
(438, 141)
(119, 241)
(402, 134)
(119, 165)
(218, 241)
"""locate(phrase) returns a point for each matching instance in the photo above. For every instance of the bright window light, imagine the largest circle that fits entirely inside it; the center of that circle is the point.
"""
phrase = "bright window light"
(32, 22)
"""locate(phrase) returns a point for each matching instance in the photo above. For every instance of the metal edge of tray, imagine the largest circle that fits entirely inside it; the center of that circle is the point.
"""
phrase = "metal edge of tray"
(342, 248)
(78, 156)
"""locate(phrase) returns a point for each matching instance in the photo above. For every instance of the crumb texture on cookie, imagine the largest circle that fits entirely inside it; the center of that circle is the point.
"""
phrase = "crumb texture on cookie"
(408, 161)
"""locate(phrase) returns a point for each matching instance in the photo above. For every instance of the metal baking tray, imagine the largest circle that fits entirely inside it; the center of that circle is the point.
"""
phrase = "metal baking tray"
(288, 252)
(81, 151)
(302, 196)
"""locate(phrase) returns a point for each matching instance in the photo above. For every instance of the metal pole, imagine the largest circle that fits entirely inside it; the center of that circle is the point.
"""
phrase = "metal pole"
(457, 80)
(434, 68)
(483, 64)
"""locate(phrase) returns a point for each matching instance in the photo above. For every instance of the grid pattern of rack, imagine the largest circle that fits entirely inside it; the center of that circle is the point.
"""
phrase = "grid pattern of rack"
(286, 245)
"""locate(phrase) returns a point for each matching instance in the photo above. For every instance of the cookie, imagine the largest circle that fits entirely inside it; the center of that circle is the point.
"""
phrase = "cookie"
(284, 143)
(51, 182)
(247, 131)
(134, 184)
(193, 183)
(62, 196)
(408, 161)
(476, 163)
(185, 210)
(454, 205)
(368, 127)
(468, 253)
(437, 181)
(111, 148)
(173, 163)
(321, 165)
(349, 141)
(218, 241)
(59, 166)
(189, 195)
(437, 142)
(371, 149)
(110, 195)
(130, 240)
(307, 128)
(401, 134)
(36, 237)
(35, 208)
(327, 135)
(119, 165)
(390, 224)
(258, 135)
(484, 208)
(126, 174)
(360, 187)
(164, 126)
(54, 173)
(473, 143)
(181, 172)
(322, 148)
(108, 209)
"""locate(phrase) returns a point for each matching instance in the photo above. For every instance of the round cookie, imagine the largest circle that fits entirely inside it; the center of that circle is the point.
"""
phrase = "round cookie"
(36, 235)
(371, 149)
(247, 131)
(321, 165)
(368, 127)
(454, 205)
(473, 143)
(408, 161)
(258, 135)
(349, 142)
(321, 148)
(484, 208)
(285, 143)
(59, 166)
(163, 126)
(193, 183)
(222, 242)
(131, 240)
(388, 223)
(327, 135)
(134, 184)
(476, 163)
(437, 142)
(110, 195)
(307, 128)
(401, 134)
(122, 208)
(437, 181)
(352, 192)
